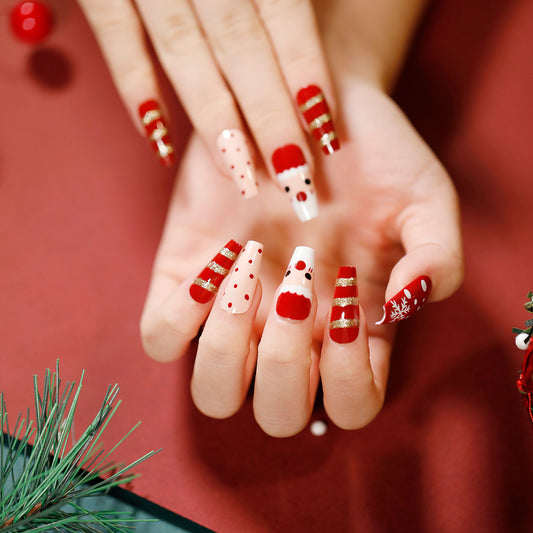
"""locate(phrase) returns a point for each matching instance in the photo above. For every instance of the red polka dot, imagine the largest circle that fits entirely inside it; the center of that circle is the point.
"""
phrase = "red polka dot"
(232, 167)
(237, 269)
(230, 304)
(300, 265)
(238, 149)
(260, 251)
(242, 175)
(246, 297)
(248, 163)
(223, 149)
(251, 276)
(250, 261)
(235, 286)
(243, 192)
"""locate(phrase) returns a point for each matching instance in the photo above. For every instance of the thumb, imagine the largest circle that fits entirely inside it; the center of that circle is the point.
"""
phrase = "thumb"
(432, 268)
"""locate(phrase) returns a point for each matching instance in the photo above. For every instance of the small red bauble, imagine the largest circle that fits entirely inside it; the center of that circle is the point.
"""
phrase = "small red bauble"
(31, 21)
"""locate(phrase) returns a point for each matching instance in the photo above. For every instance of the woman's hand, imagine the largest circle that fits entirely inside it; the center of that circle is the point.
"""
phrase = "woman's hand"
(388, 208)
(239, 67)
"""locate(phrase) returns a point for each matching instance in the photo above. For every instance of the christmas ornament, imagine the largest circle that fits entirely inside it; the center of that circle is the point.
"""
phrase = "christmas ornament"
(57, 469)
(31, 21)
(524, 341)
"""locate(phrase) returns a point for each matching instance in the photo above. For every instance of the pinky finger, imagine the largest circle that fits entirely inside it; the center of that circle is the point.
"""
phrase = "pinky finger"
(120, 35)
(353, 390)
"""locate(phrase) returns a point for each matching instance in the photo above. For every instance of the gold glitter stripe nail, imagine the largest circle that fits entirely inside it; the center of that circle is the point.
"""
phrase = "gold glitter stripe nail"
(208, 286)
(346, 282)
(226, 252)
(313, 101)
(344, 323)
(150, 116)
(345, 302)
(158, 133)
(215, 267)
(327, 138)
(320, 121)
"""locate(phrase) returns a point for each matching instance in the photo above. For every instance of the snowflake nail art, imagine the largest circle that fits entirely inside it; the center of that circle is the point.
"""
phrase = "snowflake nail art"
(406, 302)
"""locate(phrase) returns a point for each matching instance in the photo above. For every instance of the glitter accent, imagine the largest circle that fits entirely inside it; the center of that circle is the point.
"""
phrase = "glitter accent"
(158, 133)
(208, 286)
(346, 282)
(226, 252)
(150, 116)
(311, 102)
(215, 267)
(164, 149)
(344, 323)
(320, 121)
(327, 138)
(345, 302)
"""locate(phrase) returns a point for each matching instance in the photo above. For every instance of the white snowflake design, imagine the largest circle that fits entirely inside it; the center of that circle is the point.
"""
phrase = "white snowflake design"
(400, 311)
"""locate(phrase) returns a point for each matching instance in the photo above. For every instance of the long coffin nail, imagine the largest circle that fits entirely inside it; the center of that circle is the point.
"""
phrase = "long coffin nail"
(240, 290)
(206, 285)
(157, 131)
(296, 290)
(315, 110)
(406, 302)
(295, 179)
(233, 147)
(344, 321)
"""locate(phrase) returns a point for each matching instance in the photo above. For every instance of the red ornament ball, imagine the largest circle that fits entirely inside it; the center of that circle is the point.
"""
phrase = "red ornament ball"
(31, 21)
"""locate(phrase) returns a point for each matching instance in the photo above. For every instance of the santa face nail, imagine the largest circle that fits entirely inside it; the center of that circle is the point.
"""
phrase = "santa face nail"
(233, 148)
(156, 131)
(240, 290)
(344, 318)
(206, 285)
(406, 302)
(295, 179)
(315, 111)
(295, 294)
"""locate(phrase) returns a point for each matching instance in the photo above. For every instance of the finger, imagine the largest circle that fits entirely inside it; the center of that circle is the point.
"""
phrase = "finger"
(284, 391)
(226, 354)
(432, 267)
(119, 33)
(295, 38)
(175, 310)
(354, 388)
(190, 66)
(243, 51)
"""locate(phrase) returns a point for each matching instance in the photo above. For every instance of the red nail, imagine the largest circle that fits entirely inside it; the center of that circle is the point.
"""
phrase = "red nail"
(157, 131)
(344, 321)
(407, 302)
(31, 21)
(315, 110)
(206, 285)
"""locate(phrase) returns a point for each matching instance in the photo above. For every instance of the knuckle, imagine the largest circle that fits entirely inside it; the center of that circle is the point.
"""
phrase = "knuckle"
(265, 118)
(178, 32)
(234, 29)
(276, 8)
(112, 22)
(220, 105)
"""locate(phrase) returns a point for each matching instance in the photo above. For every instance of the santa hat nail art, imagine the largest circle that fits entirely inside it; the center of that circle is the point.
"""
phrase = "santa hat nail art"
(294, 177)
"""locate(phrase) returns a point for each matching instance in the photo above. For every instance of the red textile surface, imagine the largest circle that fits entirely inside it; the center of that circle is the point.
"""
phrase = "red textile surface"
(82, 203)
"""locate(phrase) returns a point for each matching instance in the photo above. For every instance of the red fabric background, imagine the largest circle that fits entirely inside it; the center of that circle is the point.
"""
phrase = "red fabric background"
(82, 203)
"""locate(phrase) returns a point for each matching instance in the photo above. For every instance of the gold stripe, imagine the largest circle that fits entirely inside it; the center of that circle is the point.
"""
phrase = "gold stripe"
(158, 133)
(313, 101)
(346, 282)
(215, 267)
(226, 252)
(320, 121)
(150, 116)
(327, 138)
(345, 302)
(164, 149)
(208, 286)
(344, 323)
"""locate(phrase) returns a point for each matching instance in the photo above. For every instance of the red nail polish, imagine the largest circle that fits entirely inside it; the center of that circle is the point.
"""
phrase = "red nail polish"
(296, 291)
(31, 21)
(206, 285)
(344, 320)
(315, 110)
(406, 302)
(157, 131)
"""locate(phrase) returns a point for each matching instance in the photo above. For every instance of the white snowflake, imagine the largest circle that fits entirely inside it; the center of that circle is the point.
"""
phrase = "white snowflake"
(400, 311)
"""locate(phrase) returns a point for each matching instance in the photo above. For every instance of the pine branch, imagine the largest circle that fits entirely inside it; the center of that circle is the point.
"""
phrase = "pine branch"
(55, 475)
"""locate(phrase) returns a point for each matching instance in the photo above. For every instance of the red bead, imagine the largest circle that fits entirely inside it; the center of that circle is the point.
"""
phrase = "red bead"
(31, 21)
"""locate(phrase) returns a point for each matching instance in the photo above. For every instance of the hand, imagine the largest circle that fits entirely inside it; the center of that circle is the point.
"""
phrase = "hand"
(389, 208)
(236, 65)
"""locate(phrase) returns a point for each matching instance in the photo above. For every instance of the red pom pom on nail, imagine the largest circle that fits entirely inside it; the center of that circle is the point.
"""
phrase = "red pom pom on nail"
(31, 22)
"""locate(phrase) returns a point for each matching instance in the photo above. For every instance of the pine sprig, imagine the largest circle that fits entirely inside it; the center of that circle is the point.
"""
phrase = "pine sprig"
(57, 470)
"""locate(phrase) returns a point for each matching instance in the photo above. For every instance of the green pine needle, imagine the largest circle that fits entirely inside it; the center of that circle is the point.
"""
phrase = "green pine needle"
(55, 474)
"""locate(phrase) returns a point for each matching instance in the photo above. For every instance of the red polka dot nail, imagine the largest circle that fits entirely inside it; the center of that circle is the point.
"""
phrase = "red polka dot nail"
(240, 290)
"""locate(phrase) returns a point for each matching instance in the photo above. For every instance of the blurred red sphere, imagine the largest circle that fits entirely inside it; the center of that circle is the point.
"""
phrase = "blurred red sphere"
(31, 21)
